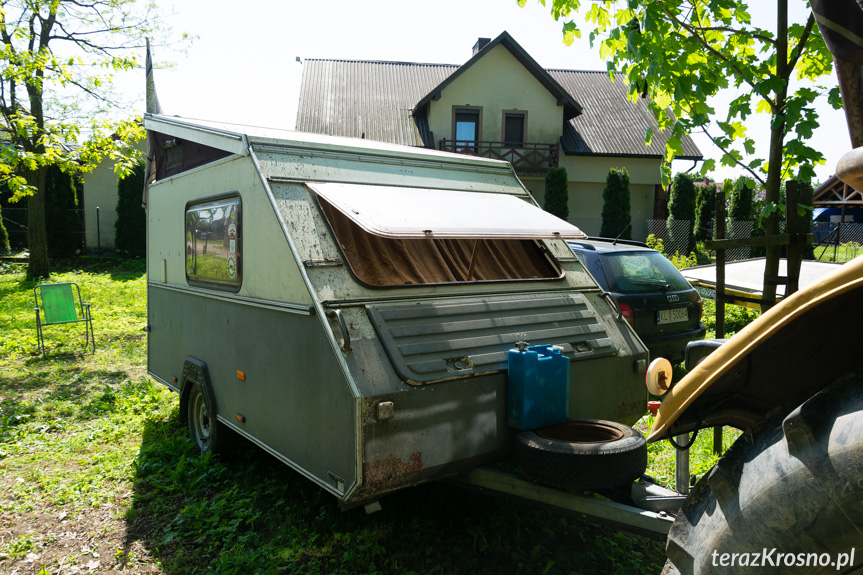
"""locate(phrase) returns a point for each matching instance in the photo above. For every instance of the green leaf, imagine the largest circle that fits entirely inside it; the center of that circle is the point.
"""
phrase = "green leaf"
(834, 98)
(777, 122)
(570, 33)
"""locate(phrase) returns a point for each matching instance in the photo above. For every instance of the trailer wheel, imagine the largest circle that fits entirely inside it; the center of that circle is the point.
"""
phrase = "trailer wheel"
(204, 430)
(788, 493)
(580, 454)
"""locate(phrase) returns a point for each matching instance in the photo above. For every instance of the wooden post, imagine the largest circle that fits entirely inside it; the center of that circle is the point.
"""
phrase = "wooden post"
(720, 294)
(794, 226)
(720, 265)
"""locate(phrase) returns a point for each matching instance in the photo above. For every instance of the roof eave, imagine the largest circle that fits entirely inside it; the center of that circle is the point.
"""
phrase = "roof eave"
(571, 108)
(629, 155)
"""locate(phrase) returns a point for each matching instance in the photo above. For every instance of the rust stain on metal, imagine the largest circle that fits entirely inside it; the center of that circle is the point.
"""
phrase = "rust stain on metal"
(391, 468)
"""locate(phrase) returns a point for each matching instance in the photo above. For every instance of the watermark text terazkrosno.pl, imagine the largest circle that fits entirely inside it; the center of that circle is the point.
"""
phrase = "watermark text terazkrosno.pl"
(775, 558)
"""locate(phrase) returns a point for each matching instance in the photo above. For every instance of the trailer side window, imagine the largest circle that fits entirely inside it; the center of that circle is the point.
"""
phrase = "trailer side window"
(213, 244)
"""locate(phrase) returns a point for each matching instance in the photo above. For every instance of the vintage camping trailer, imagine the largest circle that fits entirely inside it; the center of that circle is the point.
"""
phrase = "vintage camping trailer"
(349, 306)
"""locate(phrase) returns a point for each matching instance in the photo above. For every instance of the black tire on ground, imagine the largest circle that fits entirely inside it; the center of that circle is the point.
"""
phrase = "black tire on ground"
(582, 454)
(788, 494)
(204, 430)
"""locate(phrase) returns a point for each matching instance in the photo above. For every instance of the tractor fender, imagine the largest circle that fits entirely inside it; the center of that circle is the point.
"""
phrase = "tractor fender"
(788, 354)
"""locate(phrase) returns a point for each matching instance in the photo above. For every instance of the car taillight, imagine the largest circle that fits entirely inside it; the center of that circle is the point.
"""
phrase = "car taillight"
(628, 313)
(699, 303)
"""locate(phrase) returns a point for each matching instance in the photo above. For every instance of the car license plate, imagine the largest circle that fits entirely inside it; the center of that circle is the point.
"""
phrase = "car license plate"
(674, 315)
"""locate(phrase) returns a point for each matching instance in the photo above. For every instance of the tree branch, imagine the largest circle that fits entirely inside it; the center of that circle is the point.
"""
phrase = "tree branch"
(693, 31)
(736, 32)
(801, 44)
(727, 153)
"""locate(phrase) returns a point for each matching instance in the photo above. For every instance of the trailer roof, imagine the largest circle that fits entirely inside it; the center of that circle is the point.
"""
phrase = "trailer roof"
(411, 213)
(234, 138)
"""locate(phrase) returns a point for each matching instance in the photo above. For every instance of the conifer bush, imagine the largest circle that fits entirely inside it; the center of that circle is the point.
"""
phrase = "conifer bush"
(557, 193)
(705, 211)
(681, 207)
(131, 224)
(616, 205)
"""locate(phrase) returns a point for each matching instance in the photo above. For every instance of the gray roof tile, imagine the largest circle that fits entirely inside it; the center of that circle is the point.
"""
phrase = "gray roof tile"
(375, 99)
(611, 124)
(368, 99)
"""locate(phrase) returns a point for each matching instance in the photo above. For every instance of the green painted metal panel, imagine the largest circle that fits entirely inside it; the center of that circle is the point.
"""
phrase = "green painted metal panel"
(438, 340)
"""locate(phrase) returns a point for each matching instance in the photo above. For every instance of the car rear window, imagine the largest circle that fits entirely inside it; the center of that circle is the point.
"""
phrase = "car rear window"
(641, 272)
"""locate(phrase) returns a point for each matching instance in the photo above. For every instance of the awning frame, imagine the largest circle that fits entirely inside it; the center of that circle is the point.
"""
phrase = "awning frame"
(416, 213)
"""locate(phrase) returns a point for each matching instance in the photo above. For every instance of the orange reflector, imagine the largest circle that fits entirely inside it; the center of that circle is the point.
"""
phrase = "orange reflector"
(240, 417)
(241, 375)
(174, 379)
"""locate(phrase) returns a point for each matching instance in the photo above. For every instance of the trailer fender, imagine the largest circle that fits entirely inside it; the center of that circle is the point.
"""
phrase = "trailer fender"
(195, 371)
(791, 352)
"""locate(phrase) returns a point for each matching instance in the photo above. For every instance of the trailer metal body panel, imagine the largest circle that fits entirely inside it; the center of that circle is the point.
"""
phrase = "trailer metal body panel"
(248, 277)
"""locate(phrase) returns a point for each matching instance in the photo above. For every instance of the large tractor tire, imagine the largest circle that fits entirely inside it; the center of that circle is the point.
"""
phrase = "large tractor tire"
(786, 498)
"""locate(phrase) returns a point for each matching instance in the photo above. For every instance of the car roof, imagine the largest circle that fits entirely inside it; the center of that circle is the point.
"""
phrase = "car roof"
(606, 245)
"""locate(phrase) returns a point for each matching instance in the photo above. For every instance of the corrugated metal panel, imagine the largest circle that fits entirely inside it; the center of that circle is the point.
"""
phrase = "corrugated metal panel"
(436, 341)
(611, 124)
(367, 99)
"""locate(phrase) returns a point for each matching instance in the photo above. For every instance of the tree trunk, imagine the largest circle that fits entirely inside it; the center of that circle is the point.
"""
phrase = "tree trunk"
(37, 235)
(774, 168)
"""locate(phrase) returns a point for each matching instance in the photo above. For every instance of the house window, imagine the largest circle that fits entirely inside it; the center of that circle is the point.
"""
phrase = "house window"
(213, 244)
(514, 128)
(466, 132)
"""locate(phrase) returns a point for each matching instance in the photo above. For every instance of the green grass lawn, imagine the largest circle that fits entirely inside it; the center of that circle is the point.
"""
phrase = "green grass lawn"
(844, 252)
(96, 472)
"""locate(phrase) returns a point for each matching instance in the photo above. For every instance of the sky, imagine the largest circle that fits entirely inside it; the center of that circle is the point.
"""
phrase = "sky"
(243, 68)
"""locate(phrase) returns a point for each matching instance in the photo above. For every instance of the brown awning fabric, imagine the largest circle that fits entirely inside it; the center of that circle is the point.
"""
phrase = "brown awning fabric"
(379, 261)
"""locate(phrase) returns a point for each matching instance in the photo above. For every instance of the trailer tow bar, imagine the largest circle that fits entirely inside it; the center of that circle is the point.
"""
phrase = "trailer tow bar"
(653, 520)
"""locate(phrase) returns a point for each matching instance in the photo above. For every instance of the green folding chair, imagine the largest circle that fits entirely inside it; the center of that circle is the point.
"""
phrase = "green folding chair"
(56, 304)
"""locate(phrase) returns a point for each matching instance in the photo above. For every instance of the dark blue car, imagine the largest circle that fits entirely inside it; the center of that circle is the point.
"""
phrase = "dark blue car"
(656, 300)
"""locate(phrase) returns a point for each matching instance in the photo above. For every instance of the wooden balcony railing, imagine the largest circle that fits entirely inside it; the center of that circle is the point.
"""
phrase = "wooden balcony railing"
(525, 156)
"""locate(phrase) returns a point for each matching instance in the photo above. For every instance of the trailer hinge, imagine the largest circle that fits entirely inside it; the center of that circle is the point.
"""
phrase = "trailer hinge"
(323, 263)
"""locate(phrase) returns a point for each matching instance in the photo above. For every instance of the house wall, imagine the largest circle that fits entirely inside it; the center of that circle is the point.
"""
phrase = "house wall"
(499, 82)
(100, 190)
(587, 177)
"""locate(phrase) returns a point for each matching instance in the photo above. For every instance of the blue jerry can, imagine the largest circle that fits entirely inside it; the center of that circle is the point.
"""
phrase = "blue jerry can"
(537, 393)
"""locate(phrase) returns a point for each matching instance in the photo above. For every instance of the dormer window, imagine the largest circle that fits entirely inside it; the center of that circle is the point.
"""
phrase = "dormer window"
(514, 127)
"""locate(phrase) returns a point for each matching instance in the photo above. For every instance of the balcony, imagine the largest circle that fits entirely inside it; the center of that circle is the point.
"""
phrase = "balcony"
(523, 157)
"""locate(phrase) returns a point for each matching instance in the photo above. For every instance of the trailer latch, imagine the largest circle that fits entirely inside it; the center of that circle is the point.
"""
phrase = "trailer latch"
(386, 410)
(343, 325)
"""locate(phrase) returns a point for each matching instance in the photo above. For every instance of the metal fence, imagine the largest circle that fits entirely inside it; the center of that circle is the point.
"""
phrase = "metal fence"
(91, 231)
(838, 241)
(590, 226)
(70, 232)
(593, 226)
(738, 229)
(675, 234)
